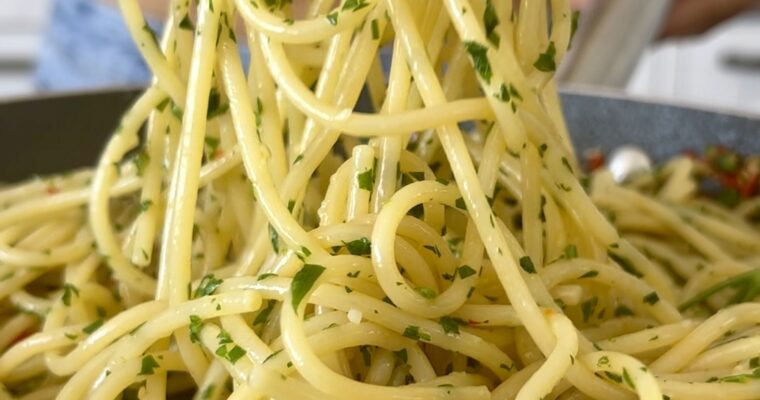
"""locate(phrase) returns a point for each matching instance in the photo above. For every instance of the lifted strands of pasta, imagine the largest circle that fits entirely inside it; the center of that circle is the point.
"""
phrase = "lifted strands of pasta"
(265, 240)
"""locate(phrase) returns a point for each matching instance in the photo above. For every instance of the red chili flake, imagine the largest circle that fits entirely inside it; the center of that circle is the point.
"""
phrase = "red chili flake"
(51, 190)
(748, 185)
(594, 160)
(218, 153)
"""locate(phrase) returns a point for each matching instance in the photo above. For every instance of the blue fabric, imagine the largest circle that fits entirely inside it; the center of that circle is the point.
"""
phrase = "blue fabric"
(88, 46)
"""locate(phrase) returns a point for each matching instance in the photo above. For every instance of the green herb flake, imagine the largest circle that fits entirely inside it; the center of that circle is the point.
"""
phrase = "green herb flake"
(417, 175)
(207, 393)
(332, 18)
(303, 281)
(588, 306)
(426, 292)
(274, 239)
(359, 247)
(415, 333)
(545, 61)
(651, 298)
(196, 324)
(265, 276)
(461, 204)
(354, 5)
(366, 179)
(589, 274)
(186, 23)
(93, 326)
(613, 377)
(263, 315)
(147, 365)
(622, 311)
(527, 265)
(479, 56)
(570, 252)
(451, 324)
(433, 249)
(68, 290)
(375, 30)
(574, 26)
(491, 21)
(401, 355)
(141, 161)
(145, 205)
(628, 380)
(626, 264)
(567, 165)
(208, 286)
(235, 354)
(465, 271)
(366, 355)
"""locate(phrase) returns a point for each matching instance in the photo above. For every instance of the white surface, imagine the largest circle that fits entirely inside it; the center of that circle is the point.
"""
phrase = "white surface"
(695, 71)
(21, 25)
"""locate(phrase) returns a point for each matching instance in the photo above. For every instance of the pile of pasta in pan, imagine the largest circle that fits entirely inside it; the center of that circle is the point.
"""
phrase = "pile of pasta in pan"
(265, 240)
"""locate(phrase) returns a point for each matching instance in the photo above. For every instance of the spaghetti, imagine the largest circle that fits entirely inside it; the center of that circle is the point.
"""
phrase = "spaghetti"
(265, 240)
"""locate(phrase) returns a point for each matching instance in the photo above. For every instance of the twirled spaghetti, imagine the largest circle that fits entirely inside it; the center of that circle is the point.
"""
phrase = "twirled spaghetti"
(265, 240)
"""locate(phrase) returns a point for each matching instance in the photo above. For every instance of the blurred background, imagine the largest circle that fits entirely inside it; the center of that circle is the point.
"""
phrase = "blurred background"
(702, 52)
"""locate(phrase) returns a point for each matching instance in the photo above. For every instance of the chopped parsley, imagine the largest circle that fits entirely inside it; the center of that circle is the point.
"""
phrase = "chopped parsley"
(465, 271)
(651, 298)
(401, 355)
(141, 161)
(145, 205)
(433, 249)
(366, 179)
(68, 290)
(263, 316)
(196, 324)
(491, 21)
(613, 377)
(366, 355)
(479, 56)
(332, 18)
(589, 274)
(628, 380)
(186, 23)
(359, 247)
(570, 252)
(375, 30)
(208, 286)
(588, 306)
(147, 365)
(303, 281)
(274, 238)
(93, 326)
(626, 264)
(354, 5)
(527, 264)
(451, 324)
(545, 61)
(415, 333)
(461, 204)
(426, 292)
(265, 276)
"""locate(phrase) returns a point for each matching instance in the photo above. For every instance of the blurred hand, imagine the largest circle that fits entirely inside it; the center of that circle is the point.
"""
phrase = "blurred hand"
(692, 17)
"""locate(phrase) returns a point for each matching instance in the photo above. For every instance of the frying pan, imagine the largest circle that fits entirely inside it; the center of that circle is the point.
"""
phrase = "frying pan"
(45, 135)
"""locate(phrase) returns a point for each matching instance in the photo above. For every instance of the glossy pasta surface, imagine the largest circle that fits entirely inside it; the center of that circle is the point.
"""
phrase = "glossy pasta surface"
(264, 240)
